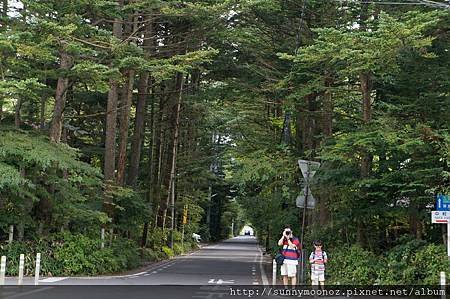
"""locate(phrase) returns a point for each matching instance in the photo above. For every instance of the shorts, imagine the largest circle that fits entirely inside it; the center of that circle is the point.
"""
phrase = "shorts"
(317, 276)
(288, 269)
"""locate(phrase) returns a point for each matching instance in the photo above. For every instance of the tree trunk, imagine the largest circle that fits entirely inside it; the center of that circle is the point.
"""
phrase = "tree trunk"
(42, 112)
(138, 135)
(366, 159)
(327, 124)
(327, 129)
(110, 133)
(151, 166)
(310, 122)
(4, 14)
(157, 170)
(17, 117)
(299, 130)
(366, 89)
(60, 98)
(287, 133)
(171, 189)
(127, 97)
(111, 126)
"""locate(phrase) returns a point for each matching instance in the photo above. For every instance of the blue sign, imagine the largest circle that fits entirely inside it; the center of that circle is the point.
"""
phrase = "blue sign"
(442, 202)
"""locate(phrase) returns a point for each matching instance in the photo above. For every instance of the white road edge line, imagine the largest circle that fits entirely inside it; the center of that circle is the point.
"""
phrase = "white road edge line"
(52, 279)
(264, 279)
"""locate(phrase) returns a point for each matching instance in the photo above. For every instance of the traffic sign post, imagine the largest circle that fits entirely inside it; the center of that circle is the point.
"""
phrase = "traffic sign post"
(306, 201)
(442, 215)
(185, 215)
(442, 202)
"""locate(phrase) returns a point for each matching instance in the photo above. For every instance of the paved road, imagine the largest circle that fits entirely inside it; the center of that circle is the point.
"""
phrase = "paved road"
(208, 271)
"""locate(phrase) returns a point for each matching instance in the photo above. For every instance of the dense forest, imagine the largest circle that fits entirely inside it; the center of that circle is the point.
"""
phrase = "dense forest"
(152, 120)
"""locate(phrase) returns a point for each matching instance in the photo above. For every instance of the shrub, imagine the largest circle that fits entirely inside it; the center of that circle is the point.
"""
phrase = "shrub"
(157, 238)
(167, 251)
(127, 252)
(353, 266)
(429, 261)
(150, 255)
(177, 249)
(398, 268)
(69, 254)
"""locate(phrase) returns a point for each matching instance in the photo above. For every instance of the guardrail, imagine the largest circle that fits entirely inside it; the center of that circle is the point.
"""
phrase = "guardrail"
(21, 268)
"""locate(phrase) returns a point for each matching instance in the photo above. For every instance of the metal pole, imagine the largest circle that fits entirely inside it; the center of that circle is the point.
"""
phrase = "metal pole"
(102, 236)
(2, 270)
(443, 285)
(448, 240)
(303, 222)
(21, 266)
(11, 234)
(274, 272)
(37, 269)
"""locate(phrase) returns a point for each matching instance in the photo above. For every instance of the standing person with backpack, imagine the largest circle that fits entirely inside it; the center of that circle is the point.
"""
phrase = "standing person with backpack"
(318, 259)
(290, 251)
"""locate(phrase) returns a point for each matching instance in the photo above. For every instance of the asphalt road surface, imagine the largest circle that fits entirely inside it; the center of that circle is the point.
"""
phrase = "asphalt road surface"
(214, 269)
(230, 269)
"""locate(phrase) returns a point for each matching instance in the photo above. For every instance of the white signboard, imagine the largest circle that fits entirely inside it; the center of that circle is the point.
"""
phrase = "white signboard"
(300, 200)
(308, 166)
(440, 217)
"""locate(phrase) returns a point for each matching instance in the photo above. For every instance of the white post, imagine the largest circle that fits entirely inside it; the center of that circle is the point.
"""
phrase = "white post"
(274, 272)
(21, 264)
(111, 235)
(38, 268)
(443, 284)
(2, 270)
(11, 234)
(103, 238)
(448, 240)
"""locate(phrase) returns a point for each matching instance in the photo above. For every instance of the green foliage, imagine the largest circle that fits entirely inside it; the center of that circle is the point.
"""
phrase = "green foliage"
(353, 266)
(29, 163)
(167, 251)
(414, 262)
(72, 254)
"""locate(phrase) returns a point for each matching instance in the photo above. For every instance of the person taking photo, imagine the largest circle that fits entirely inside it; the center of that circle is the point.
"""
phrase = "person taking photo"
(290, 250)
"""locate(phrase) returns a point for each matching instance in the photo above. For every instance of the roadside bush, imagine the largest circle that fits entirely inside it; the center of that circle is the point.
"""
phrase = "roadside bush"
(167, 251)
(429, 261)
(177, 249)
(150, 255)
(157, 238)
(399, 268)
(353, 266)
(70, 254)
(127, 253)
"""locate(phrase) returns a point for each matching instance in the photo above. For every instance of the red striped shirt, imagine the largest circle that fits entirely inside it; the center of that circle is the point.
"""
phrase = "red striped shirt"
(291, 253)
